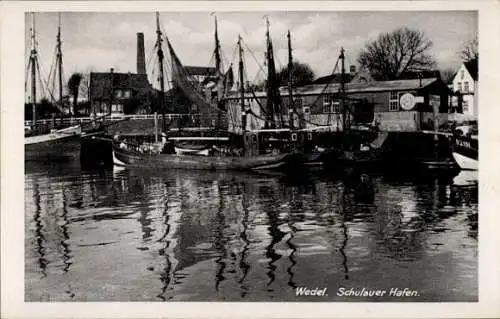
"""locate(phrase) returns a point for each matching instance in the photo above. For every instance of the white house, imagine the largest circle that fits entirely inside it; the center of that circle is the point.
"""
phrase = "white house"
(465, 83)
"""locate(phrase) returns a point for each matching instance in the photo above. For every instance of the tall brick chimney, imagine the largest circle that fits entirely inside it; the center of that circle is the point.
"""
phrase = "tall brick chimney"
(141, 59)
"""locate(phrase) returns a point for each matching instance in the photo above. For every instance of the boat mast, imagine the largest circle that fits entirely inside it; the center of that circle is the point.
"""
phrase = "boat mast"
(59, 63)
(219, 72)
(160, 66)
(33, 62)
(242, 88)
(271, 98)
(217, 49)
(342, 90)
(290, 74)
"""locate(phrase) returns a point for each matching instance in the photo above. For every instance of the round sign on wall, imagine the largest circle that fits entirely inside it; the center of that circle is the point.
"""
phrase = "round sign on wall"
(407, 101)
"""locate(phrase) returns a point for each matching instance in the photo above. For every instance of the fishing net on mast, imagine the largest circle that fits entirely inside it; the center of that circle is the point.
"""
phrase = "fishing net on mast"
(204, 96)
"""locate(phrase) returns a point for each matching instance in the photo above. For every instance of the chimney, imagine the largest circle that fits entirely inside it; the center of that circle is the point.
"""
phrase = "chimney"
(352, 69)
(141, 59)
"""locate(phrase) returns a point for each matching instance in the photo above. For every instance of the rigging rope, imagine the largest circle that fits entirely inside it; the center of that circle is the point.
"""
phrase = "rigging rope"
(315, 101)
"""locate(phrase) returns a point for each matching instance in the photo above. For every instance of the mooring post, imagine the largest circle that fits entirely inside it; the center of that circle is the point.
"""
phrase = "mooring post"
(156, 127)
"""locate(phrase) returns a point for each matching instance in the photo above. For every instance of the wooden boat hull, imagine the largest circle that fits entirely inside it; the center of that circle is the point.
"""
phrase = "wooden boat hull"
(124, 157)
(52, 147)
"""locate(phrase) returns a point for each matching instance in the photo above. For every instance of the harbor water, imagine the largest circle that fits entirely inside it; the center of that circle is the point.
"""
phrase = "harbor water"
(138, 235)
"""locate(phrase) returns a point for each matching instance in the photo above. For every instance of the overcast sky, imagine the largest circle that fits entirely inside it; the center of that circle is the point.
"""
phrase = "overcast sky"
(99, 41)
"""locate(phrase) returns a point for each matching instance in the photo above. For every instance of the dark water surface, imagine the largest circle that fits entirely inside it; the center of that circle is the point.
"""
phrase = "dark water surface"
(202, 236)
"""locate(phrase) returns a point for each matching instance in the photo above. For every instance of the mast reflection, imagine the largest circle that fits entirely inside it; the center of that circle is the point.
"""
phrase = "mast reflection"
(243, 264)
(291, 257)
(343, 226)
(166, 276)
(65, 234)
(276, 236)
(39, 229)
(220, 244)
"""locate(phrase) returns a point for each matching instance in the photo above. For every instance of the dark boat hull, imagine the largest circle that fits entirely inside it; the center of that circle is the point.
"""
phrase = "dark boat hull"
(57, 149)
(124, 157)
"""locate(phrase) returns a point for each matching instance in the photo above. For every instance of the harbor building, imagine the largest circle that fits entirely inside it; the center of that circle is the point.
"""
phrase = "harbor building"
(465, 87)
(400, 105)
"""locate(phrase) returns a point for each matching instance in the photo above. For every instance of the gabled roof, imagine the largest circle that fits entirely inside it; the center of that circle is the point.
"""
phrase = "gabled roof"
(375, 86)
(100, 83)
(417, 74)
(333, 78)
(472, 68)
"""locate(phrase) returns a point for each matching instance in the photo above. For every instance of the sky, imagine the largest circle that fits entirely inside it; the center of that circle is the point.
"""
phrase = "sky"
(100, 41)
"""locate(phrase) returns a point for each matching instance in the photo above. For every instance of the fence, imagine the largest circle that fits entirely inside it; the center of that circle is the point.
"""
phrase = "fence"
(112, 117)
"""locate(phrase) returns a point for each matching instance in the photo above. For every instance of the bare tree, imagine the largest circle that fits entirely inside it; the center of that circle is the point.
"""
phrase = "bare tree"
(74, 87)
(85, 86)
(447, 75)
(469, 50)
(394, 53)
(301, 74)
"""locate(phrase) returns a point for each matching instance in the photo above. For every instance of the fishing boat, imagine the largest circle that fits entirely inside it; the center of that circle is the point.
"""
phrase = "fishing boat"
(132, 158)
(242, 150)
(61, 144)
(55, 145)
(358, 145)
(465, 148)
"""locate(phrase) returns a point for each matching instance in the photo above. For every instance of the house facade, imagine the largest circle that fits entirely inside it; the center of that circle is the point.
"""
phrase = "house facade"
(119, 93)
(465, 87)
(399, 105)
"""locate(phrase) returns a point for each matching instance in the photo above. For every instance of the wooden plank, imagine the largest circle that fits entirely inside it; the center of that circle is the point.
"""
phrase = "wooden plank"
(436, 133)
(270, 130)
(198, 138)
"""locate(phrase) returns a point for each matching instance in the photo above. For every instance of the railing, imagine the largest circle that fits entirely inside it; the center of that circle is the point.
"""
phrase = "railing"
(112, 117)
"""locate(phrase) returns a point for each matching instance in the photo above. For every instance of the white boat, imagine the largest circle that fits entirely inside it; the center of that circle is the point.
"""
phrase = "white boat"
(465, 151)
(466, 178)
(58, 145)
(465, 162)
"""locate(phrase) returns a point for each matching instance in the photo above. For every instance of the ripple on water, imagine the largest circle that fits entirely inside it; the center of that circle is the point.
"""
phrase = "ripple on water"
(202, 236)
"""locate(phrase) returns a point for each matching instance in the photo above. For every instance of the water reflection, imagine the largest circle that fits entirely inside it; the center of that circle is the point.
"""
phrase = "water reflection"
(63, 224)
(225, 236)
(243, 263)
(39, 230)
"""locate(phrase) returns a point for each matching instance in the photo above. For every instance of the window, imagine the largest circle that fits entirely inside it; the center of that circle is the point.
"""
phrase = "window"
(126, 94)
(327, 102)
(117, 108)
(466, 86)
(393, 101)
(299, 102)
(306, 110)
(460, 86)
(465, 106)
(118, 93)
(335, 107)
(327, 99)
(462, 74)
